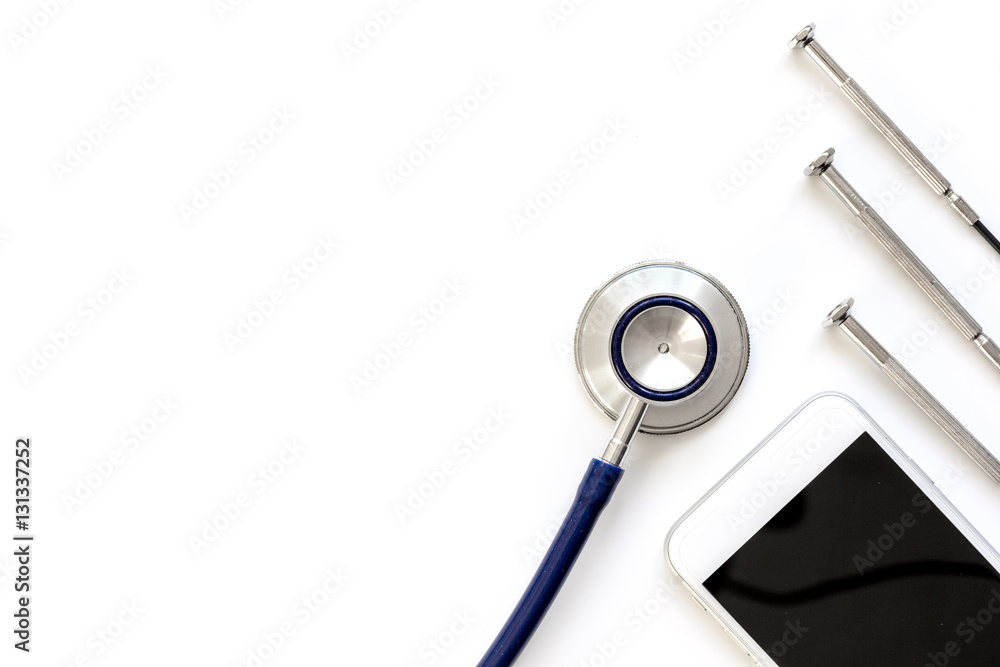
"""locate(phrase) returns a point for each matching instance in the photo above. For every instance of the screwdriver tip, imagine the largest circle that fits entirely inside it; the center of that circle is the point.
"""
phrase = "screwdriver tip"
(820, 164)
(839, 314)
(802, 37)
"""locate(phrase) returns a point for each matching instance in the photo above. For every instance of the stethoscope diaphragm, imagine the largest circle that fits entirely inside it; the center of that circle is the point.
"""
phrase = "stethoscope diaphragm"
(665, 333)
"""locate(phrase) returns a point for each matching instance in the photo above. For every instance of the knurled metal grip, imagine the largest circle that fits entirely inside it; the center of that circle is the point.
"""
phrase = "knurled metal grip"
(917, 270)
(806, 41)
(841, 318)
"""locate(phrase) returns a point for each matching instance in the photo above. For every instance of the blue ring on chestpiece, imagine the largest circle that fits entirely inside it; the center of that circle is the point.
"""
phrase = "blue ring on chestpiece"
(619, 333)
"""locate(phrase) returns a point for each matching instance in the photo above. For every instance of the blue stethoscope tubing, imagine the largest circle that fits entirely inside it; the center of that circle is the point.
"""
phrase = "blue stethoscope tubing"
(593, 495)
(637, 292)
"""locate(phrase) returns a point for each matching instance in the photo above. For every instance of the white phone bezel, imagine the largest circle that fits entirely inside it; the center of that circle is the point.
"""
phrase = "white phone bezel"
(765, 481)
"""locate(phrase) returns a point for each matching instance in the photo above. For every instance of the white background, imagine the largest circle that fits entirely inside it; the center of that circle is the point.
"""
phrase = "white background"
(779, 242)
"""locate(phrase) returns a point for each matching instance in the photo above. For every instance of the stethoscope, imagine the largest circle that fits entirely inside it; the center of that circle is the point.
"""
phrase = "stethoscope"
(660, 348)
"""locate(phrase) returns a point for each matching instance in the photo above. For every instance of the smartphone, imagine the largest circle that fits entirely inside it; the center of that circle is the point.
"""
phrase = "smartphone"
(827, 546)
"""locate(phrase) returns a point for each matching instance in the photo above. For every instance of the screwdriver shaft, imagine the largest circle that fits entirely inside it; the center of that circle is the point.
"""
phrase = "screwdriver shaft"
(902, 378)
(906, 258)
(805, 40)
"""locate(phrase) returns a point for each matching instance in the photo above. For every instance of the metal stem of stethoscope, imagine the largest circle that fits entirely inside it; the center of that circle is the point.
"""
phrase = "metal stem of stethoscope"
(661, 348)
(625, 429)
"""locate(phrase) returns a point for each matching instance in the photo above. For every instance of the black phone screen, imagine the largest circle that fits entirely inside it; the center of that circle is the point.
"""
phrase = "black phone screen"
(860, 568)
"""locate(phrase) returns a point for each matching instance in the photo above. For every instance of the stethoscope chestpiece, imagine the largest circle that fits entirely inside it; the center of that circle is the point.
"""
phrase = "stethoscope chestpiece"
(661, 348)
(668, 335)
